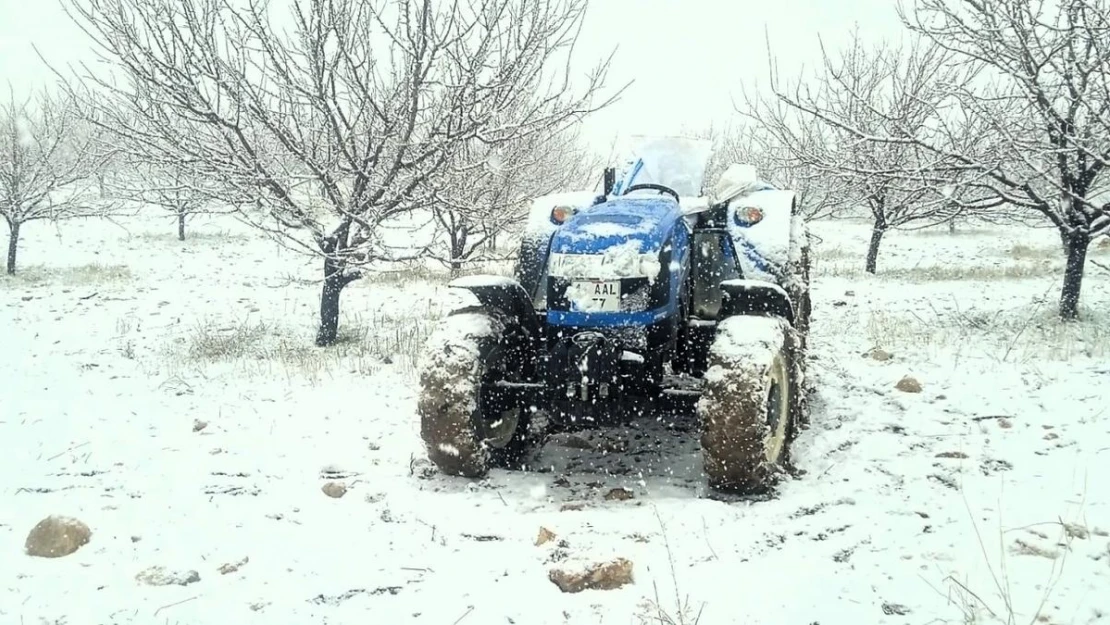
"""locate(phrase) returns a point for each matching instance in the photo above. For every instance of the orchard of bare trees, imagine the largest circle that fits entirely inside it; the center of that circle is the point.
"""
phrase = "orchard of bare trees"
(995, 109)
(490, 194)
(49, 156)
(323, 130)
(325, 127)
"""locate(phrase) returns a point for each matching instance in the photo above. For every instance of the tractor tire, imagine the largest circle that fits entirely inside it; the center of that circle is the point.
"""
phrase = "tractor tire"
(751, 403)
(464, 431)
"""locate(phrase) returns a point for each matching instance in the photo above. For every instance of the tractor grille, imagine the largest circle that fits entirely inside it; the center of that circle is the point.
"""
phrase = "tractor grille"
(635, 339)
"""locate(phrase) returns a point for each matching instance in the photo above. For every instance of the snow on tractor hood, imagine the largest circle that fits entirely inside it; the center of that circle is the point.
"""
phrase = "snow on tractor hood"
(646, 220)
(622, 236)
(619, 238)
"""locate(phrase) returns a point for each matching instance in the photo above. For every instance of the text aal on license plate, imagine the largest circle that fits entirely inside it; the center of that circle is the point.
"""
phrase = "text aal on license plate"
(600, 295)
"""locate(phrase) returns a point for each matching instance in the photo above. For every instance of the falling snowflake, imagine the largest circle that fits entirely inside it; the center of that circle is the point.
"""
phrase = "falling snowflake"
(24, 133)
(494, 163)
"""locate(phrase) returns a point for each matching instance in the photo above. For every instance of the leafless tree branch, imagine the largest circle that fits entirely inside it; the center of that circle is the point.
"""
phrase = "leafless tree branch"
(894, 93)
(48, 156)
(328, 132)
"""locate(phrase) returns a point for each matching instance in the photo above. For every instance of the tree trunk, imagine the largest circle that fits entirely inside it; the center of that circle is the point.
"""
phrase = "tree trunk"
(1077, 243)
(13, 245)
(458, 250)
(329, 307)
(181, 226)
(877, 232)
(335, 280)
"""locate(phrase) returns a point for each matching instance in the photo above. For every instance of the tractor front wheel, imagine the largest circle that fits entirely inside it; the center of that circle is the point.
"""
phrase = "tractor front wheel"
(467, 423)
(750, 403)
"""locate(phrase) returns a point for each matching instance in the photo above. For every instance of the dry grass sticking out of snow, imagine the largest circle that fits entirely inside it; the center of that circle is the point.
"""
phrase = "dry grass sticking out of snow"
(76, 276)
(180, 410)
(996, 294)
(207, 237)
(1022, 335)
(946, 273)
(413, 272)
(262, 347)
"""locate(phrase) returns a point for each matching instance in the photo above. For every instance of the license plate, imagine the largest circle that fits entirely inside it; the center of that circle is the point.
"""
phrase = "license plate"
(595, 295)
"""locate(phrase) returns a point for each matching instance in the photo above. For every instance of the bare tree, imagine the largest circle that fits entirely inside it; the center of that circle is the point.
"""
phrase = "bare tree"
(491, 187)
(175, 189)
(884, 91)
(113, 168)
(343, 121)
(772, 149)
(1039, 114)
(47, 159)
(1054, 145)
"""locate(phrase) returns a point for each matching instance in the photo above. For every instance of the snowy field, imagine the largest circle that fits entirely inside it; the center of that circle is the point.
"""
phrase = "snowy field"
(168, 396)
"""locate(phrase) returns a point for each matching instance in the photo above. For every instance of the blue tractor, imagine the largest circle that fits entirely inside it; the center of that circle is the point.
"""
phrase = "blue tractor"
(652, 290)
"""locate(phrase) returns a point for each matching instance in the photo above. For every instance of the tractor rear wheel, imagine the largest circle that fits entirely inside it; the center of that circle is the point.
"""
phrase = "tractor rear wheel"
(467, 423)
(750, 403)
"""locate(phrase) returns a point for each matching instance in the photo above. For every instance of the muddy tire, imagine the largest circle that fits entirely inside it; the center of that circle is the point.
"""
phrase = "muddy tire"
(800, 293)
(465, 426)
(751, 403)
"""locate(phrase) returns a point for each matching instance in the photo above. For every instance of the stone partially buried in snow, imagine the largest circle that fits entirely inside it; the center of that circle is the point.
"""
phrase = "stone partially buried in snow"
(232, 567)
(607, 576)
(908, 384)
(879, 354)
(545, 536)
(56, 536)
(335, 490)
(159, 576)
(618, 494)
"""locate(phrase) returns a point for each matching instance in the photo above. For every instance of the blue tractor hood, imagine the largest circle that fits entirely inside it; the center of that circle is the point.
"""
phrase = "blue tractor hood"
(646, 220)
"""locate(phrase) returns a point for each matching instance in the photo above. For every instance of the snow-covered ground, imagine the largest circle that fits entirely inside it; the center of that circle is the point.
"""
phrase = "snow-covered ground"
(167, 395)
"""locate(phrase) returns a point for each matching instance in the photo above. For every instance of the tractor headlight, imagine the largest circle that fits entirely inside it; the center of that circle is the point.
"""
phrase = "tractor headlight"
(747, 216)
(560, 214)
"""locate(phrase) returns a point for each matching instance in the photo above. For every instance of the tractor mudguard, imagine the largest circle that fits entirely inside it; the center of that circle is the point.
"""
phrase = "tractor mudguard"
(747, 297)
(505, 295)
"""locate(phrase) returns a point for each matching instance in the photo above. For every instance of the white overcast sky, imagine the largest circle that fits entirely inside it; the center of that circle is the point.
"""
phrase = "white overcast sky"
(687, 57)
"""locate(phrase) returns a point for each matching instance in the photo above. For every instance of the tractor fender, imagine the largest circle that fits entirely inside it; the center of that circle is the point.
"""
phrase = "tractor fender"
(504, 295)
(763, 247)
(753, 297)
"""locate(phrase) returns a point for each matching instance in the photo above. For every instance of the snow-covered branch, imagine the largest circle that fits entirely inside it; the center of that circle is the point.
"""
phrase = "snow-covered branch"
(48, 157)
(859, 124)
(175, 189)
(490, 188)
(336, 127)
(1047, 112)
